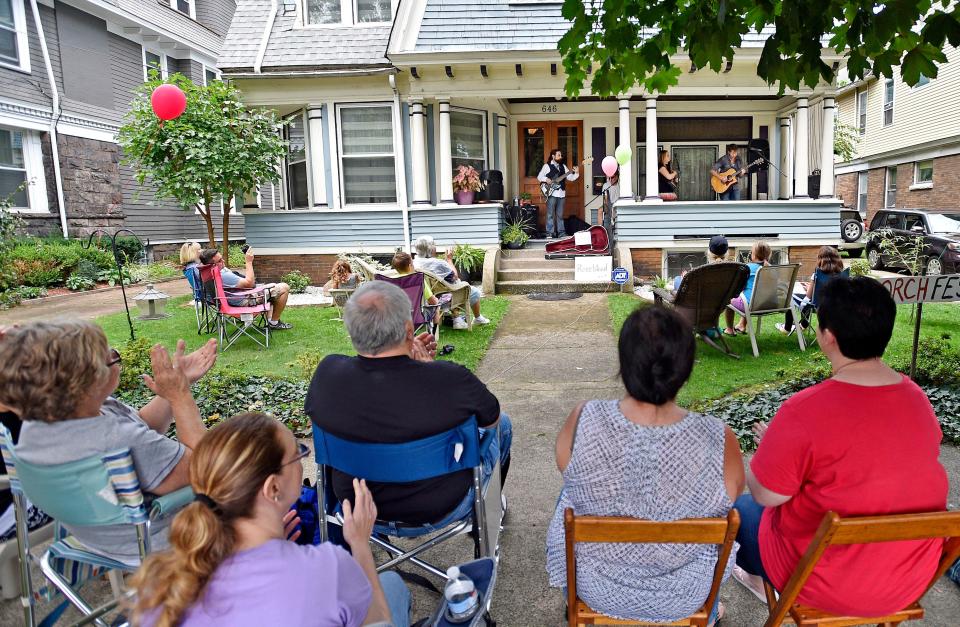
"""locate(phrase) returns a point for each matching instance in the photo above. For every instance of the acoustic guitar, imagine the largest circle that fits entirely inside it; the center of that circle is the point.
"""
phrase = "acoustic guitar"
(548, 188)
(724, 180)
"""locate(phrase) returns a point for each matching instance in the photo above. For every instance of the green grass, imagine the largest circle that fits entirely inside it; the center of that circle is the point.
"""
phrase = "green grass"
(296, 352)
(715, 375)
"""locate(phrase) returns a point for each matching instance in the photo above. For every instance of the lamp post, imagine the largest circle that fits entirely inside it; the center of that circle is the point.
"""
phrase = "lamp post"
(152, 304)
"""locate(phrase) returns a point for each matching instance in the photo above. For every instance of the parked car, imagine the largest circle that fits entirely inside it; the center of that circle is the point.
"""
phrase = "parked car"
(851, 232)
(938, 232)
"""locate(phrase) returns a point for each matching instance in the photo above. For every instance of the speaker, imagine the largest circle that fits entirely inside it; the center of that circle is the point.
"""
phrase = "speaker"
(492, 182)
(756, 149)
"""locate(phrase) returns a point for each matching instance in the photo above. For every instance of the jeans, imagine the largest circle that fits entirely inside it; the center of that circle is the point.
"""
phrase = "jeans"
(398, 598)
(498, 451)
(555, 215)
(748, 536)
(731, 194)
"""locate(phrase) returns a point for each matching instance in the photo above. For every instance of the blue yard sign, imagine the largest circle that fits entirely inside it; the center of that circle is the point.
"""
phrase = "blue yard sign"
(620, 276)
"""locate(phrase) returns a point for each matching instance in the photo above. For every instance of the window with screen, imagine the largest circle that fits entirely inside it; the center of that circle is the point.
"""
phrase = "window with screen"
(298, 196)
(468, 139)
(679, 262)
(888, 102)
(154, 61)
(367, 159)
(862, 182)
(924, 172)
(186, 7)
(13, 167)
(13, 39)
(862, 111)
(890, 199)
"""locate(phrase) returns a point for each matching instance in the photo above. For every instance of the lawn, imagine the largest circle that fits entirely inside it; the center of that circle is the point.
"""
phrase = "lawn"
(294, 353)
(715, 375)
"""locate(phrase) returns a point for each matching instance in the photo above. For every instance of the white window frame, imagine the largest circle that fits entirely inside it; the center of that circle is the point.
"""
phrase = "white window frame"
(285, 179)
(889, 105)
(340, 156)
(164, 70)
(917, 183)
(887, 190)
(861, 102)
(349, 13)
(208, 68)
(863, 181)
(193, 8)
(483, 116)
(34, 170)
(23, 47)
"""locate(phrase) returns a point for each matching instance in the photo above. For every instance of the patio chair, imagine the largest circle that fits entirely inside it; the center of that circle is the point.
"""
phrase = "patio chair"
(772, 294)
(98, 490)
(423, 314)
(201, 305)
(580, 529)
(232, 321)
(460, 448)
(836, 531)
(459, 296)
(703, 295)
(340, 297)
(10, 556)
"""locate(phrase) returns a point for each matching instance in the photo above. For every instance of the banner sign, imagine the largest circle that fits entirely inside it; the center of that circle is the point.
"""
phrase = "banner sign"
(593, 269)
(943, 288)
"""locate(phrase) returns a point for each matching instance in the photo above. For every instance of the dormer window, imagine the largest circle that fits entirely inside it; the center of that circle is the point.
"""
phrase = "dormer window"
(323, 12)
(373, 11)
(347, 12)
(187, 7)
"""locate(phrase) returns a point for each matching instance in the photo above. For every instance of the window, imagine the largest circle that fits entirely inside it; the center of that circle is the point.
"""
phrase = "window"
(923, 80)
(680, 262)
(323, 12)
(210, 75)
(296, 162)
(890, 199)
(21, 160)
(888, 102)
(778, 256)
(154, 61)
(862, 111)
(923, 172)
(862, 179)
(13, 36)
(467, 137)
(187, 7)
(914, 222)
(373, 11)
(366, 154)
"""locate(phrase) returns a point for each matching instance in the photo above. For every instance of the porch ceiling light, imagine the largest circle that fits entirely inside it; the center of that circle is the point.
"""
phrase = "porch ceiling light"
(532, 130)
(449, 70)
(519, 69)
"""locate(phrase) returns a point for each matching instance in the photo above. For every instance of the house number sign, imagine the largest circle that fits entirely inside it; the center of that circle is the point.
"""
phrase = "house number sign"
(550, 108)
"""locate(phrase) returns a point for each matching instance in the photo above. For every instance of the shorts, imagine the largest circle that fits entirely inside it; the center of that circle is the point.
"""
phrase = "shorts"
(738, 304)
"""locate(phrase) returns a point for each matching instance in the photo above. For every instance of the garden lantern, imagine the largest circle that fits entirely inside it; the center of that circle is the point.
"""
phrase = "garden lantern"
(152, 304)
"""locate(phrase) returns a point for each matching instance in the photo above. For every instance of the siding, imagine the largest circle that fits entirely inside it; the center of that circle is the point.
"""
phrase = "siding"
(309, 229)
(474, 225)
(31, 88)
(216, 14)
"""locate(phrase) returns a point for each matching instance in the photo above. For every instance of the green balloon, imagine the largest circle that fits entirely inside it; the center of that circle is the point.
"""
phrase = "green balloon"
(623, 154)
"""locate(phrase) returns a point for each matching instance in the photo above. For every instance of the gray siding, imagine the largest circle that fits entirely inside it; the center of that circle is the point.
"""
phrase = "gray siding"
(31, 88)
(85, 52)
(494, 24)
(126, 65)
(305, 229)
(216, 14)
(461, 225)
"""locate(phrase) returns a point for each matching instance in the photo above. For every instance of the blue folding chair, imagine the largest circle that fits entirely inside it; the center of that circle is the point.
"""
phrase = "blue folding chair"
(460, 448)
(200, 302)
(99, 490)
(808, 308)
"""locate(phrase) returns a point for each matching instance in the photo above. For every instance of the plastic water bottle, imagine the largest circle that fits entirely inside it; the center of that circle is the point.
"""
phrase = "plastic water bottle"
(461, 595)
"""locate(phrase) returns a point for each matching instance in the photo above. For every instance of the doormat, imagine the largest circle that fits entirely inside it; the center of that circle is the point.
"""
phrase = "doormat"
(552, 296)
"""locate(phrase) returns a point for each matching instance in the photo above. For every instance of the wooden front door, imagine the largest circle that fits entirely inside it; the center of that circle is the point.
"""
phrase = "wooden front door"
(536, 140)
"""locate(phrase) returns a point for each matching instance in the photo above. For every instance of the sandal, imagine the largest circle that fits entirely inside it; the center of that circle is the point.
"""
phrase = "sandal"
(730, 332)
(721, 610)
(745, 579)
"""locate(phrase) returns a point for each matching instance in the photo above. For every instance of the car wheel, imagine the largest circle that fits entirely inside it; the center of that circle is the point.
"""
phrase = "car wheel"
(934, 266)
(875, 259)
(855, 253)
(851, 230)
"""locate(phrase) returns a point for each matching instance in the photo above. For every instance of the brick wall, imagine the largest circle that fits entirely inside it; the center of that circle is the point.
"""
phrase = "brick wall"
(846, 189)
(647, 262)
(271, 268)
(945, 192)
(876, 188)
(806, 256)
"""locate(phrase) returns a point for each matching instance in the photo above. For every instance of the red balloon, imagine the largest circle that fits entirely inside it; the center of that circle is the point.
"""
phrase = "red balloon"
(168, 101)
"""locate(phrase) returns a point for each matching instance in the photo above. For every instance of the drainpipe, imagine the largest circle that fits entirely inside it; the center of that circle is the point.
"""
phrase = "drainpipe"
(55, 105)
(401, 165)
(265, 38)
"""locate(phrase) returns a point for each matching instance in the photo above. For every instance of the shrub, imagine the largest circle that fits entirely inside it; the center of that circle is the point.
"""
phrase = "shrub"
(161, 270)
(131, 247)
(305, 363)
(938, 362)
(297, 281)
(87, 269)
(36, 272)
(860, 267)
(78, 283)
(468, 258)
(136, 361)
(10, 298)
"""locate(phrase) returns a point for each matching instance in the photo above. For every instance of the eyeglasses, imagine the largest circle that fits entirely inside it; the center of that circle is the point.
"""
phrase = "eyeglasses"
(115, 358)
(303, 451)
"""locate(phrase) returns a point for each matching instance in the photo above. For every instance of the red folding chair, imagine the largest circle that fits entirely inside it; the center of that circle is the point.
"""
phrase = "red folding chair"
(234, 321)
(424, 315)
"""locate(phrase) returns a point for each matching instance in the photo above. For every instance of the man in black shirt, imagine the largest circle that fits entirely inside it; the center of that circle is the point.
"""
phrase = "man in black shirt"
(393, 392)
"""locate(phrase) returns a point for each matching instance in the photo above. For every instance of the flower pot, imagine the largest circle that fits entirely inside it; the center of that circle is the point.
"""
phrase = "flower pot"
(464, 198)
(514, 245)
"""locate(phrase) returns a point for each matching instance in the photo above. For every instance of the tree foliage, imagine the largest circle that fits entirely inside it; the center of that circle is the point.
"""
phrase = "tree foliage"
(846, 138)
(635, 42)
(217, 149)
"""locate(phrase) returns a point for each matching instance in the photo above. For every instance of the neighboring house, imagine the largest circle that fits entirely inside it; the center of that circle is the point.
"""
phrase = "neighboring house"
(909, 149)
(385, 100)
(68, 70)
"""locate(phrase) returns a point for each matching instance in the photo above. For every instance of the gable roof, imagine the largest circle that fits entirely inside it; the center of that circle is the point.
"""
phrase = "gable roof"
(449, 25)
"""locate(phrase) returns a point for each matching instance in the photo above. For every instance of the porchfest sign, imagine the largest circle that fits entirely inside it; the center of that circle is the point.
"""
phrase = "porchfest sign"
(910, 290)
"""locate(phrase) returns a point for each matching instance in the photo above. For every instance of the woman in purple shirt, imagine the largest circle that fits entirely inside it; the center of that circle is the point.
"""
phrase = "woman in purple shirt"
(230, 561)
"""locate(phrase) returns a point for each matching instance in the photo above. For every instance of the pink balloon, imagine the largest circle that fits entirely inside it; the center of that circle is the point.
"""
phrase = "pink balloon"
(168, 101)
(609, 165)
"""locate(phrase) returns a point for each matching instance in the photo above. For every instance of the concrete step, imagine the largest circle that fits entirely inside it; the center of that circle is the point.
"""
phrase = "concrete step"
(523, 253)
(522, 264)
(535, 274)
(552, 287)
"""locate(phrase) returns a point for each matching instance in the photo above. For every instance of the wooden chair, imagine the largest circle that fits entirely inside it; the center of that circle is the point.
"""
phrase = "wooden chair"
(834, 531)
(719, 531)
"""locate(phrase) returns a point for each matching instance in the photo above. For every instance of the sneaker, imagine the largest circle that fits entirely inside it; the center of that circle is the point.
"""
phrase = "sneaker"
(460, 323)
(782, 328)
(481, 320)
(276, 325)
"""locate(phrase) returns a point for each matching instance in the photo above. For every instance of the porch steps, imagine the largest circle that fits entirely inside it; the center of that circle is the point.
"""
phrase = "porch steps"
(526, 271)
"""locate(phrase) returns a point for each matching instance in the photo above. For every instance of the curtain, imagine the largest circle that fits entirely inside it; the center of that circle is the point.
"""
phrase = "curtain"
(467, 140)
(694, 163)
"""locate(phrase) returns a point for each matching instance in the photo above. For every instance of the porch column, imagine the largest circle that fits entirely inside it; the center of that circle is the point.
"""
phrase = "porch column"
(318, 181)
(826, 149)
(503, 134)
(626, 180)
(418, 153)
(786, 175)
(801, 169)
(445, 158)
(652, 157)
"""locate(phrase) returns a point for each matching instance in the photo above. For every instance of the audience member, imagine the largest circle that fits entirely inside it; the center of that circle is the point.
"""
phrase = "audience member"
(234, 282)
(341, 277)
(759, 257)
(403, 263)
(392, 392)
(829, 266)
(232, 560)
(716, 251)
(59, 378)
(36, 518)
(190, 255)
(645, 457)
(863, 442)
(427, 260)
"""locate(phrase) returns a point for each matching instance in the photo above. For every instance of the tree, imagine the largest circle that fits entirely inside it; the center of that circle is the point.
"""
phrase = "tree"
(634, 42)
(218, 149)
(845, 140)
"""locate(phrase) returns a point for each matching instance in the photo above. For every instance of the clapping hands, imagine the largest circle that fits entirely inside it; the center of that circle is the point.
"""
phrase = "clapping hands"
(424, 347)
(358, 518)
(173, 376)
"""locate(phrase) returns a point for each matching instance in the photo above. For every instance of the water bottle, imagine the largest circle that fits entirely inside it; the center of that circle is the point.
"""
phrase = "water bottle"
(461, 595)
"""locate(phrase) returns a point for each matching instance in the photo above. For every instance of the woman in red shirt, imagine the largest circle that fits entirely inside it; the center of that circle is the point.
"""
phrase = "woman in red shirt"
(863, 442)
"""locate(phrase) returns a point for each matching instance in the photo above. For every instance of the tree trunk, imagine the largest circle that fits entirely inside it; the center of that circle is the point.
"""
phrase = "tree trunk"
(226, 228)
(205, 212)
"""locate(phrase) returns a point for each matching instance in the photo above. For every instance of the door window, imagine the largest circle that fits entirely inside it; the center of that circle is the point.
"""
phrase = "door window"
(894, 221)
(534, 147)
(912, 220)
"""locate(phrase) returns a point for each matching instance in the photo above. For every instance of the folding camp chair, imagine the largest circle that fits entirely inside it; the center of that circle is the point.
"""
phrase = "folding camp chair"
(460, 448)
(98, 490)
(702, 296)
(424, 315)
(834, 531)
(234, 321)
(10, 556)
(201, 305)
(809, 308)
(340, 297)
(719, 531)
(772, 294)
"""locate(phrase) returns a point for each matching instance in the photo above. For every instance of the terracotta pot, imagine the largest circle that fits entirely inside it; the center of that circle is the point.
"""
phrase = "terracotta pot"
(464, 198)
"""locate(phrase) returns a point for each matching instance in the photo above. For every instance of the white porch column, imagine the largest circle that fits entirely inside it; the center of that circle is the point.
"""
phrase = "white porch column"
(652, 157)
(418, 153)
(801, 159)
(315, 156)
(445, 158)
(786, 175)
(826, 148)
(503, 134)
(626, 180)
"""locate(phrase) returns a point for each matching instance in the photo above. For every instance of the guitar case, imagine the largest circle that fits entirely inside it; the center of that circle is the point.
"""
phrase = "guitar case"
(573, 224)
(567, 248)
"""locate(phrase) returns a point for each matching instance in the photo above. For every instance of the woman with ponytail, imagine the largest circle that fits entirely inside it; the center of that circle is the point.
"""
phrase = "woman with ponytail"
(231, 560)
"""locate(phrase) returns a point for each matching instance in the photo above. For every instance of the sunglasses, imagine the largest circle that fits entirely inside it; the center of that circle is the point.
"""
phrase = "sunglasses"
(114, 357)
(303, 451)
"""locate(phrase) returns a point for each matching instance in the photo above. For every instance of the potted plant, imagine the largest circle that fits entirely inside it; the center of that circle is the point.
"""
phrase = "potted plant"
(513, 235)
(466, 183)
(526, 196)
(468, 261)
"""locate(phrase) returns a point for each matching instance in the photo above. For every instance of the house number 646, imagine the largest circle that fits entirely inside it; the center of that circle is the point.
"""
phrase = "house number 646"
(549, 108)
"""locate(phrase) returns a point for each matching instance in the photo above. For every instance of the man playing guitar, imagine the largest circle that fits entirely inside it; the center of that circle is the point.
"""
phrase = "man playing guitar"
(729, 161)
(555, 172)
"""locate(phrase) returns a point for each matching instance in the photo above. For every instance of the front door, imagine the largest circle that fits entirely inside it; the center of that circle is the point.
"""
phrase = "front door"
(537, 139)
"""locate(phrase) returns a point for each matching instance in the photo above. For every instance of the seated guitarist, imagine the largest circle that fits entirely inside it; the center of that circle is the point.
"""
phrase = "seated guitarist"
(729, 161)
(555, 174)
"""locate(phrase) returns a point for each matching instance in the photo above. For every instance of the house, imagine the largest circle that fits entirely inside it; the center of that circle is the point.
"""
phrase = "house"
(68, 69)
(386, 99)
(909, 149)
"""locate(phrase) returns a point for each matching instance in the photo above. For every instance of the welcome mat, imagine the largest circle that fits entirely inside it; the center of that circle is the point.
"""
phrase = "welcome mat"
(554, 296)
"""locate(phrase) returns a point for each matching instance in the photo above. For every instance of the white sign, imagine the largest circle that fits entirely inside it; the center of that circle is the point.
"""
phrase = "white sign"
(593, 269)
(582, 238)
(923, 289)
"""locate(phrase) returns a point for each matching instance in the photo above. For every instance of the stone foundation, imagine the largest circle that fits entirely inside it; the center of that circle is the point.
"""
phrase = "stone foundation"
(271, 268)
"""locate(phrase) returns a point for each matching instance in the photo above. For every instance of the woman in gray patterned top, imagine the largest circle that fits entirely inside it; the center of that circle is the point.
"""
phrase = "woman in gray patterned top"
(645, 457)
